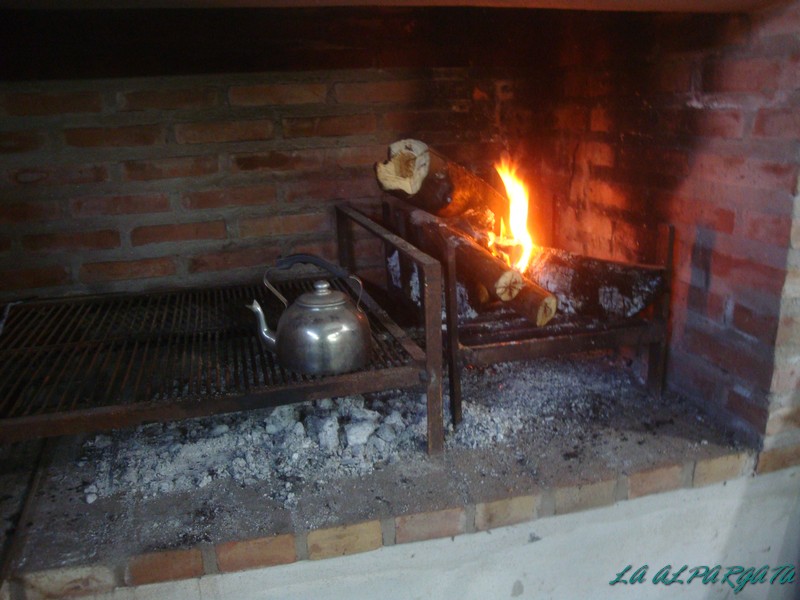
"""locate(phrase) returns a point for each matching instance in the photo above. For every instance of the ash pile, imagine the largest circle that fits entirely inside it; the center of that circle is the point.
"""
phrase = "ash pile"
(285, 448)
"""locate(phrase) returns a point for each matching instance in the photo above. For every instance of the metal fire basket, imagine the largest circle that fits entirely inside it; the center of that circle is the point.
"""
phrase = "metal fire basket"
(494, 338)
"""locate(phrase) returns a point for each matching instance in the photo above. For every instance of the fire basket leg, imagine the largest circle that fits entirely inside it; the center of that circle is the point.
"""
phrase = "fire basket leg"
(432, 304)
(453, 359)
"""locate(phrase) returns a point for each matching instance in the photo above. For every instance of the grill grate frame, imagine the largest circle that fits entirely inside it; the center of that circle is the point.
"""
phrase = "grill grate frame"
(80, 364)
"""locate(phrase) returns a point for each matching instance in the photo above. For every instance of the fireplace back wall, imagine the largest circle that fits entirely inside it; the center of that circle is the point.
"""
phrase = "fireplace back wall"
(691, 121)
(162, 149)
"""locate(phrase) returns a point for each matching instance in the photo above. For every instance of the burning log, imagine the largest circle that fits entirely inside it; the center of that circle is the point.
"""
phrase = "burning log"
(585, 286)
(486, 273)
(479, 270)
(582, 285)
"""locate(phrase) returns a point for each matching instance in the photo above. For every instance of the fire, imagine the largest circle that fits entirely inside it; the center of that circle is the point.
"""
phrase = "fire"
(517, 217)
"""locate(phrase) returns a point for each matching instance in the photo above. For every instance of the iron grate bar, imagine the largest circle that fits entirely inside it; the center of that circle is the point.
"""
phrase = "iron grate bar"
(217, 364)
(192, 382)
(13, 366)
(160, 344)
(36, 369)
(142, 366)
(203, 370)
(112, 355)
(251, 366)
(170, 358)
(76, 368)
(18, 323)
(226, 357)
(250, 353)
(80, 370)
(138, 345)
(238, 381)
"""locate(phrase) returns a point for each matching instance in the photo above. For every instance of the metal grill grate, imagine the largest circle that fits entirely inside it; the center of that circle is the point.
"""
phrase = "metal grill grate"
(126, 358)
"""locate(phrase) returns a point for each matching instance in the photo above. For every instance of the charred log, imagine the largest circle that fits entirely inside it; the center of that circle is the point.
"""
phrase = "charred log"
(595, 287)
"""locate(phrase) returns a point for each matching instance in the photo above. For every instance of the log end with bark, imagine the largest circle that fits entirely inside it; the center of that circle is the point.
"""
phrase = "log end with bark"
(535, 303)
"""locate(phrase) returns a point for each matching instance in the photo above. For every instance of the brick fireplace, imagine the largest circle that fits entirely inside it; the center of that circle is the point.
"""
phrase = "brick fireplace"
(167, 149)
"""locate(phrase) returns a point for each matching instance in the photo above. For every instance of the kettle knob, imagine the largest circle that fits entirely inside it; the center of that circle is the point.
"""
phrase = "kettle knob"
(322, 287)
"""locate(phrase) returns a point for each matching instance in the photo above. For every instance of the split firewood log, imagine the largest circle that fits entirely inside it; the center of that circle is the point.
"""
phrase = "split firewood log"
(478, 268)
(447, 189)
(596, 287)
(481, 268)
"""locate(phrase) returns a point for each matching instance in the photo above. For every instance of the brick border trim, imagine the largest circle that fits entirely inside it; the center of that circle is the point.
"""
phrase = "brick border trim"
(366, 536)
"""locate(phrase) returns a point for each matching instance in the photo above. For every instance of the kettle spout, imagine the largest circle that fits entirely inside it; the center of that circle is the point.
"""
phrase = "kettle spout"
(265, 332)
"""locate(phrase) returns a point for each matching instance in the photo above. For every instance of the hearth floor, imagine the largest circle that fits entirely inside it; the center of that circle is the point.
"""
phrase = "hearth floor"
(558, 434)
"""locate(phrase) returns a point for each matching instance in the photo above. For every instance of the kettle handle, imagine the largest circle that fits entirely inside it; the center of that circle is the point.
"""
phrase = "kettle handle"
(287, 262)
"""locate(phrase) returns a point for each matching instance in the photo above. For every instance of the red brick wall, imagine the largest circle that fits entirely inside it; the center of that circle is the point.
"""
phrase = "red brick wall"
(130, 184)
(691, 120)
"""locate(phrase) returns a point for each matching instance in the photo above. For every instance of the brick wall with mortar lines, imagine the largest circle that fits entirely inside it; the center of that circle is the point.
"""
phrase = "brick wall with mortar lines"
(690, 120)
(133, 184)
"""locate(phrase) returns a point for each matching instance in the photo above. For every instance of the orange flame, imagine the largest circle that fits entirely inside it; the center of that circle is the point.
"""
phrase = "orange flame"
(517, 213)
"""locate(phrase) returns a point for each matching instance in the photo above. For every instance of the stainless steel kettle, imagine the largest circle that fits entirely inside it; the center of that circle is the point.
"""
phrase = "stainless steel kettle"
(322, 332)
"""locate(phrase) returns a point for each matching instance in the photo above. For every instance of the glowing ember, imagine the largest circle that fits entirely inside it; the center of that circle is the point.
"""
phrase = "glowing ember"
(517, 217)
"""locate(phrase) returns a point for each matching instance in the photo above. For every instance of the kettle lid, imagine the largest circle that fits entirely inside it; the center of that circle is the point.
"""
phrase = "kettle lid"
(322, 296)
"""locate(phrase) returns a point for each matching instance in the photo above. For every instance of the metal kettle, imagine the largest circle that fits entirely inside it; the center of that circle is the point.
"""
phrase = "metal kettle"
(322, 332)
